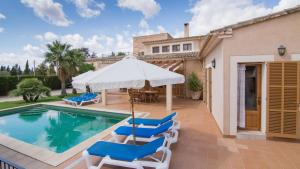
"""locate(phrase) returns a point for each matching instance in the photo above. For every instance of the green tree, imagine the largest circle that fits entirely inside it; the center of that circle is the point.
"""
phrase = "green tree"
(8, 69)
(66, 60)
(42, 69)
(14, 70)
(51, 70)
(27, 69)
(19, 71)
(85, 52)
(3, 68)
(85, 67)
(31, 89)
(121, 54)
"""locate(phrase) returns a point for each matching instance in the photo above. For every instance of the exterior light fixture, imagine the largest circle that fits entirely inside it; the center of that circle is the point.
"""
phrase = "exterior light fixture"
(213, 63)
(281, 50)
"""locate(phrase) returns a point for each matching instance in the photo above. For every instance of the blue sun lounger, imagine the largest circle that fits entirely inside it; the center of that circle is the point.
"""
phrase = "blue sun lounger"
(155, 122)
(132, 156)
(83, 98)
(147, 134)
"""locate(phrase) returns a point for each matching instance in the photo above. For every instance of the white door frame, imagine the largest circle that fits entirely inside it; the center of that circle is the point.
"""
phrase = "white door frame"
(234, 61)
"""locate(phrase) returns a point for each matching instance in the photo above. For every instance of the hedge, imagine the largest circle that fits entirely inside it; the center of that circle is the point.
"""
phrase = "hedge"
(8, 83)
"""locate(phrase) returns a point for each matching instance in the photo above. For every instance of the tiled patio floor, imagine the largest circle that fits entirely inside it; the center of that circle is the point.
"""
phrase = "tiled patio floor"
(200, 145)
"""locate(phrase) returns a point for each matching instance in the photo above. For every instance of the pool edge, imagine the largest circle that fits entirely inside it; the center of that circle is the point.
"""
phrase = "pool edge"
(54, 159)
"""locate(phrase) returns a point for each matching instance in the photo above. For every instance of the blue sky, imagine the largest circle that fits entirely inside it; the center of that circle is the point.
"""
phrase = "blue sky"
(108, 25)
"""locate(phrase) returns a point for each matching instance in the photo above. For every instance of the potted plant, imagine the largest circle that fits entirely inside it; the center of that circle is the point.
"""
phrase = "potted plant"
(195, 85)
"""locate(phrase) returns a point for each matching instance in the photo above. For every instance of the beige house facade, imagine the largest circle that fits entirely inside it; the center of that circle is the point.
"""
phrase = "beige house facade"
(181, 55)
(250, 71)
(253, 75)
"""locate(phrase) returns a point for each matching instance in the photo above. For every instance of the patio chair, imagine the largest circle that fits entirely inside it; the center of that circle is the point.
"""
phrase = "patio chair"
(155, 122)
(82, 99)
(132, 156)
(147, 134)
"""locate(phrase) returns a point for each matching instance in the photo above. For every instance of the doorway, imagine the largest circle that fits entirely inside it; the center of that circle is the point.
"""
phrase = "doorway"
(250, 97)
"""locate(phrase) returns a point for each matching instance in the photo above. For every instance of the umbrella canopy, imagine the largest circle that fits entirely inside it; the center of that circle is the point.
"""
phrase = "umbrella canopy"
(83, 75)
(128, 73)
(81, 81)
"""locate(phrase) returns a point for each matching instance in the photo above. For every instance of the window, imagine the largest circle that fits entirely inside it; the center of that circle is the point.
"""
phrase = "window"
(155, 49)
(176, 48)
(187, 47)
(166, 49)
(141, 53)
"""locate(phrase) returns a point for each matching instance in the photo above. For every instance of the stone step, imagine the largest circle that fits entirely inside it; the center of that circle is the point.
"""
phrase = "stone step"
(251, 135)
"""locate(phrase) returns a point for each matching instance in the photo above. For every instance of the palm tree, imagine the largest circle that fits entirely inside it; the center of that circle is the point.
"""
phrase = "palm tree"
(66, 60)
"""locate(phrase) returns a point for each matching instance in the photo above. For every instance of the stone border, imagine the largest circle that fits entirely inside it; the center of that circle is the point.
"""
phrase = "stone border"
(50, 157)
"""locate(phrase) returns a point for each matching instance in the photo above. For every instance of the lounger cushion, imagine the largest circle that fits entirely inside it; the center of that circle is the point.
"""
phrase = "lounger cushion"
(152, 122)
(82, 97)
(125, 152)
(144, 132)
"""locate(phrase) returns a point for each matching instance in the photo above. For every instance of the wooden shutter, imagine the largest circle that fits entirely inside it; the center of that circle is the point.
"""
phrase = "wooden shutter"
(283, 99)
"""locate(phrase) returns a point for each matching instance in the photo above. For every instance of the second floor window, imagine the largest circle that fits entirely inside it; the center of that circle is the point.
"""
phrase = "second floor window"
(176, 48)
(155, 49)
(187, 47)
(166, 49)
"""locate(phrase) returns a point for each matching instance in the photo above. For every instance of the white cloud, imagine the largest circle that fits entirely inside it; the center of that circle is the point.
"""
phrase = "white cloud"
(2, 16)
(49, 11)
(33, 51)
(48, 36)
(146, 30)
(148, 7)
(283, 4)
(161, 29)
(20, 59)
(100, 44)
(88, 8)
(29, 52)
(213, 14)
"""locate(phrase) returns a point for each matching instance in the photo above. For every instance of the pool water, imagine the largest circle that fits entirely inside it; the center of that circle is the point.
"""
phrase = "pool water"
(55, 128)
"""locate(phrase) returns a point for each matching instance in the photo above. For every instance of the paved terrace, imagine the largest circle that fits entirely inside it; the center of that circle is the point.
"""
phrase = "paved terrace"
(200, 145)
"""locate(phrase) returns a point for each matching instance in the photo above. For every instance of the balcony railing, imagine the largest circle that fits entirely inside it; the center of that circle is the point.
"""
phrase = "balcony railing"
(4, 164)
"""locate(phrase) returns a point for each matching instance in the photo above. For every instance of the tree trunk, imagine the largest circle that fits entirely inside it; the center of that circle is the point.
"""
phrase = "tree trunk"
(25, 98)
(74, 91)
(63, 88)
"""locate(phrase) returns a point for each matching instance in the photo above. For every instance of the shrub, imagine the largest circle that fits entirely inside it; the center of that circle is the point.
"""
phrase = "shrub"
(31, 90)
(194, 83)
(8, 83)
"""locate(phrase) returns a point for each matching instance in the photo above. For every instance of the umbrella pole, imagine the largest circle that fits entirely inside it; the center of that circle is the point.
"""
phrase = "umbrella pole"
(132, 114)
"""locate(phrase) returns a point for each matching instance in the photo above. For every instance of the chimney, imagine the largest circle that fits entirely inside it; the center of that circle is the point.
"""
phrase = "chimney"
(186, 30)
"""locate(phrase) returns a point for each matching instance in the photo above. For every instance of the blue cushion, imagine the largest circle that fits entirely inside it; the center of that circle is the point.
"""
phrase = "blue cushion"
(168, 118)
(125, 152)
(147, 122)
(83, 97)
(144, 132)
(152, 122)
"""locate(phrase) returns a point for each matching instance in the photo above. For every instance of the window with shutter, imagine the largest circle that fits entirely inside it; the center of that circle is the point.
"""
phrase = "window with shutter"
(283, 98)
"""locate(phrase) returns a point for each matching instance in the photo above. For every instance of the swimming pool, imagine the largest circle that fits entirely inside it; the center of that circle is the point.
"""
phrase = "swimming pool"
(53, 127)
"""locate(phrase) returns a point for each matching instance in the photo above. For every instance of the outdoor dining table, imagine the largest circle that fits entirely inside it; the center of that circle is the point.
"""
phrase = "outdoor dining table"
(151, 95)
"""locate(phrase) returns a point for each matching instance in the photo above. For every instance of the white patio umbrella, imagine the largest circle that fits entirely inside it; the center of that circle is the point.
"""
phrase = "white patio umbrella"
(83, 75)
(129, 73)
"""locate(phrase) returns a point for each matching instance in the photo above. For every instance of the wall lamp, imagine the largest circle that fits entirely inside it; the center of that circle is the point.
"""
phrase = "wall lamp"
(213, 63)
(281, 50)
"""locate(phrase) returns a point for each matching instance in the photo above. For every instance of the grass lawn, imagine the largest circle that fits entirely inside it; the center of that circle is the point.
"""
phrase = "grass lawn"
(11, 104)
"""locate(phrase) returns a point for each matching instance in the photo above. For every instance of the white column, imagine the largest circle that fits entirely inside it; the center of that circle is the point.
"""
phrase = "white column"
(169, 98)
(103, 95)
